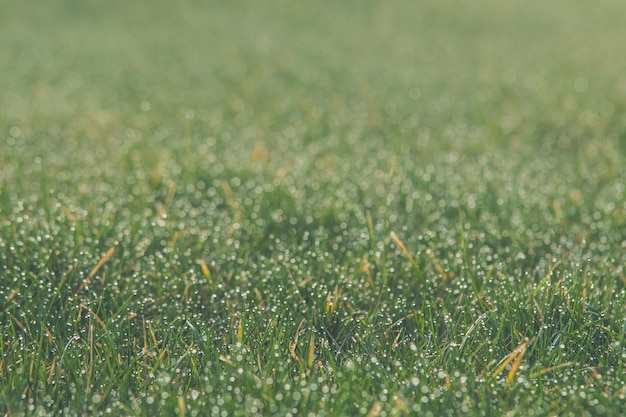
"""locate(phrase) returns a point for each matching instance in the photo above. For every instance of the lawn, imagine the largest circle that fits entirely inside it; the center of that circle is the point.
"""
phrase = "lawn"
(312, 208)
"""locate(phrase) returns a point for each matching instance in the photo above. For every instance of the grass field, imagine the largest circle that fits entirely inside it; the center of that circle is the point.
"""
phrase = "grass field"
(313, 208)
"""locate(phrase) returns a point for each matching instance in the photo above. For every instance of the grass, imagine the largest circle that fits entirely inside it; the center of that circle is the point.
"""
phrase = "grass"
(354, 208)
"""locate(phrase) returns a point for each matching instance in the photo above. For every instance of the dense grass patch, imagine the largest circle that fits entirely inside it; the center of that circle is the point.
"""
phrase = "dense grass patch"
(270, 208)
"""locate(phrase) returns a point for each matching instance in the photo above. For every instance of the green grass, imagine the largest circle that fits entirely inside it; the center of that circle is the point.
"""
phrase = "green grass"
(323, 208)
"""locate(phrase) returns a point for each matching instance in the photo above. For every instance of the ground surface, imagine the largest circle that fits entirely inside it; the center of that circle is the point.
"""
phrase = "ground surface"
(324, 208)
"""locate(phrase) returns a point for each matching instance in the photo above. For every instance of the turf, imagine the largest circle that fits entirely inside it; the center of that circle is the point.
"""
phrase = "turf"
(321, 208)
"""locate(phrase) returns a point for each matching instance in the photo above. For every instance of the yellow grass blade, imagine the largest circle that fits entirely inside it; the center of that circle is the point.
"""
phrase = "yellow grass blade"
(515, 366)
(550, 369)
(400, 245)
(205, 270)
(102, 261)
(226, 360)
(240, 331)
(506, 361)
(375, 410)
(311, 357)
(12, 295)
(515, 357)
(182, 407)
(95, 269)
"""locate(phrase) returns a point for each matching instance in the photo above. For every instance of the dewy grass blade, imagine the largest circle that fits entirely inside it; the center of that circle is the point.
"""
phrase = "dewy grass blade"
(472, 328)
(196, 335)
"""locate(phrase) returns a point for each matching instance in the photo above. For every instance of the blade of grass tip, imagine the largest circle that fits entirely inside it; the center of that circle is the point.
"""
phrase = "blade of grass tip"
(89, 364)
(329, 306)
(95, 270)
(196, 335)
(375, 410)
(504, 363)
(53, 368)
(67, 346)
(292, 351)
(230, 196)
(18, 323)
(403, 248)
(145, 335)
(12, 295)
(550, 369)
(240, 330)
(154, 338)
(311, 356)
(227, 360)
(516, 364)
(469, 332)
(513, 356)
(205, 271)
(400, 245)
(181, 406)
(93, 314)
(558, 337)
(294, 343)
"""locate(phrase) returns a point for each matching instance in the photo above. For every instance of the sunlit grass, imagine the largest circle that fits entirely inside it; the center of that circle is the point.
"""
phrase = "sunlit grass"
(360, 208)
